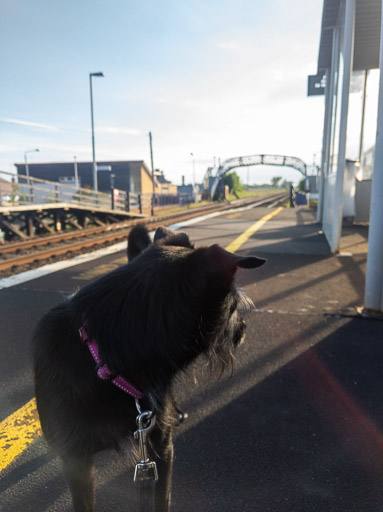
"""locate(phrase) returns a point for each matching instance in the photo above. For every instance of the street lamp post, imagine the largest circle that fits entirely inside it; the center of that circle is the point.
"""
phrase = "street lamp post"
(94, 167)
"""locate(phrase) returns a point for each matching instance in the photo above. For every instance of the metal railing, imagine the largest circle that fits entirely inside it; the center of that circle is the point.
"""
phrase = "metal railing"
(18, 190)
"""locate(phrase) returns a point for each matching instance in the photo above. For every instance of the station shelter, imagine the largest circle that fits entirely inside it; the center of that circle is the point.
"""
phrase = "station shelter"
(350, 56)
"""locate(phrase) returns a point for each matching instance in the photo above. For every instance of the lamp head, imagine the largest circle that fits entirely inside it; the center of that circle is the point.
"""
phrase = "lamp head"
(31, 150)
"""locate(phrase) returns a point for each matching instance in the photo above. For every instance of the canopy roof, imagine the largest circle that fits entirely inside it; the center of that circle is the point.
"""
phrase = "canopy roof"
(367, 33)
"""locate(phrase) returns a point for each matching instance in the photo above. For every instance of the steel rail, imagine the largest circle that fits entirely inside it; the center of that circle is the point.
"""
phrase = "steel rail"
(12, 247)
(120, 234)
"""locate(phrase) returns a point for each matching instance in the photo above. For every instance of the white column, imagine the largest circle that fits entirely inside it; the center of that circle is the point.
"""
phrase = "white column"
(325, 139)
(347, 47)
(373, 299)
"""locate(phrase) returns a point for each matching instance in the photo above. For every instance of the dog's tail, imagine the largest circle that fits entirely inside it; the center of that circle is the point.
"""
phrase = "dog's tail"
(138, 241)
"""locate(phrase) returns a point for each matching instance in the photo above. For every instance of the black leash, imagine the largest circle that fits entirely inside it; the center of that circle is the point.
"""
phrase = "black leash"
(145, 474)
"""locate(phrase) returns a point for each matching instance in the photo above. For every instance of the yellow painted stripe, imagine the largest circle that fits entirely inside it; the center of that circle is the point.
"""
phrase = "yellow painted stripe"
(22, 427)
(17, 432)
(239, 241)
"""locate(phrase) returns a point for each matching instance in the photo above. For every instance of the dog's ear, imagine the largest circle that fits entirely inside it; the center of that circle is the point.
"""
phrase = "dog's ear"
(167, 236)
(226, 263)
(138, 241)
(163, 232)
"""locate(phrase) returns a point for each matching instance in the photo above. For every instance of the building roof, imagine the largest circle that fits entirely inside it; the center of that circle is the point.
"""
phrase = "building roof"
(367, 33)
(99, 162)
(161, 178)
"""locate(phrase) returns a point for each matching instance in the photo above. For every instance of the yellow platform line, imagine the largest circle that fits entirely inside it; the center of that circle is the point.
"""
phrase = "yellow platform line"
(241, 239)
(17, 432)
(22, 427)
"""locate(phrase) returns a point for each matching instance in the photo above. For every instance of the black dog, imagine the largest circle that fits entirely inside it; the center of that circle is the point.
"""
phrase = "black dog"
(150, 319)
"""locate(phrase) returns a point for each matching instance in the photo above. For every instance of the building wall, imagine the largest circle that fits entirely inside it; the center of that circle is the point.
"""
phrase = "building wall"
(146, 182)
(167, 188)
(129, 176)
(55, 171)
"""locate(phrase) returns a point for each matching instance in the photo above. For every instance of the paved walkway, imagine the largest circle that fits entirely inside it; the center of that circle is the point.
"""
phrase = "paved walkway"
(299, 427)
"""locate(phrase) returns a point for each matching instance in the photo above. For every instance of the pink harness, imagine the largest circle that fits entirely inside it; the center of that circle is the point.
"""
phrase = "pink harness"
(103, 371)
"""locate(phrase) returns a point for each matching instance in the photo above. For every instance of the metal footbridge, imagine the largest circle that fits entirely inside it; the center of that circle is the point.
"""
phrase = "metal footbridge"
(247, 161)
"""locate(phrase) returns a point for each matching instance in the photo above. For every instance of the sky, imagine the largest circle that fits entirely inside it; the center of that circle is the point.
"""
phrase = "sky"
(212, 78)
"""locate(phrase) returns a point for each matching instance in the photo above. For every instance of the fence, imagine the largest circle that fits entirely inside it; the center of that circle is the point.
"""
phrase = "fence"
(25, 190)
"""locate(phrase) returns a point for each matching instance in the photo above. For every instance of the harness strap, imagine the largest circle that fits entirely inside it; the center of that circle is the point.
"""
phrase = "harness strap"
(103, 371)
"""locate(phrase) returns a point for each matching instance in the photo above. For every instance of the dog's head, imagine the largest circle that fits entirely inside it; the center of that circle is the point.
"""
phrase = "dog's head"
(200, 282)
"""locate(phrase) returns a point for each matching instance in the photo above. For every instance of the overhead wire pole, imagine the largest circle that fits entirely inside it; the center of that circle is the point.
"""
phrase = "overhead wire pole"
(151, 160)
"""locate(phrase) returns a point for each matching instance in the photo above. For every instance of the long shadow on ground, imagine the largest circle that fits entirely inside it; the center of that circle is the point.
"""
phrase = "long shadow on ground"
(308, 438)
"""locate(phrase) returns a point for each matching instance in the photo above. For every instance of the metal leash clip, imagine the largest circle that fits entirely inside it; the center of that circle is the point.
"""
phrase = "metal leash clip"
(146, 469)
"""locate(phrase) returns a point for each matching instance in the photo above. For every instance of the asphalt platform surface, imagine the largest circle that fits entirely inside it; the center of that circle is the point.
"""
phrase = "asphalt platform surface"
(297, 427)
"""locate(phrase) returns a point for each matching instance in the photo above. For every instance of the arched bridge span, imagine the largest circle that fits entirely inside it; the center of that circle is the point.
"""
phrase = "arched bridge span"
(245, 161)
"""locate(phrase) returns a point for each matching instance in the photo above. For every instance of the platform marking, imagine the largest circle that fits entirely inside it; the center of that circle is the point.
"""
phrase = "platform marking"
(241, 239)
(22, 428)
(17, 432)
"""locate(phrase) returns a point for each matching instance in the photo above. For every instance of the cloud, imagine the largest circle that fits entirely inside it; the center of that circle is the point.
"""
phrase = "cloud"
(29, 124)
(119, 130)
(7, 149)
(231, 46)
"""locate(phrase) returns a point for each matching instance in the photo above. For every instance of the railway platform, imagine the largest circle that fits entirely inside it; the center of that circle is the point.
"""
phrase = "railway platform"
(299, 428)
(296, 428)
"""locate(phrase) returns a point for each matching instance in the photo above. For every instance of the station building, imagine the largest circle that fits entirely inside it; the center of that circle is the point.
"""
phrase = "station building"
(129, 176)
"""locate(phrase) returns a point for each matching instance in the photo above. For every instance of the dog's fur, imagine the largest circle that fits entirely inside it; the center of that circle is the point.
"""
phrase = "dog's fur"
(150, 318)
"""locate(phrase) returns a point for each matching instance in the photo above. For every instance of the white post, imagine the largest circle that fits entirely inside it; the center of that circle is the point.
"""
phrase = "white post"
(330, 92)
(373, 299)
(363, 116)
(325, 142)
(347, 47)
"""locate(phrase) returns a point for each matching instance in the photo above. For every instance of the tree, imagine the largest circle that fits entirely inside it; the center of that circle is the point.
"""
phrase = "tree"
(301, 185)
(234, 183)
(275, 181)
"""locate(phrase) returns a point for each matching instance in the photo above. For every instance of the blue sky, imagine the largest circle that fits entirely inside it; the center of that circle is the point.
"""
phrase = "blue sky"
(216, 78)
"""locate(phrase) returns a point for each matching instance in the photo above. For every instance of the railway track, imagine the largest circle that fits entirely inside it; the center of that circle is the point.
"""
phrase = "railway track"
(19, 256)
